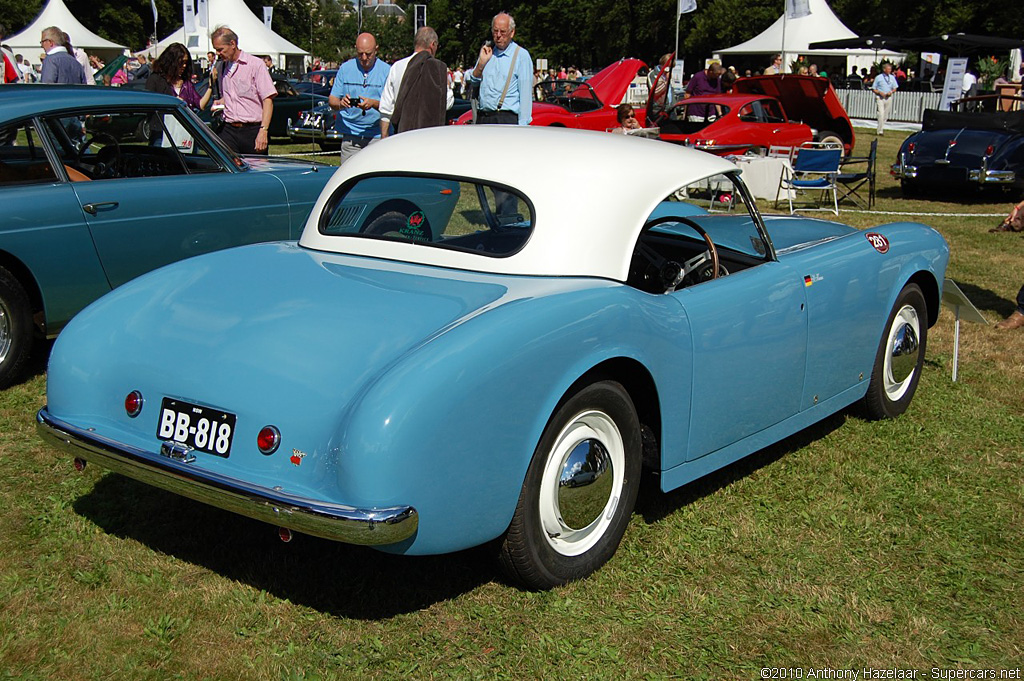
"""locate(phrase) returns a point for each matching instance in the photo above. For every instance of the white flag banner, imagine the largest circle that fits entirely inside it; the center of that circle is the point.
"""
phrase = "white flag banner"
(202, 13)
(155, 15)
(268, 16)
(687, 6)
(797, 8)
(189, 10)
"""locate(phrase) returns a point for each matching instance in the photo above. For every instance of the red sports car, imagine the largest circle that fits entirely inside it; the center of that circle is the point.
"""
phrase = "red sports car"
(761, 112)
(589, 104)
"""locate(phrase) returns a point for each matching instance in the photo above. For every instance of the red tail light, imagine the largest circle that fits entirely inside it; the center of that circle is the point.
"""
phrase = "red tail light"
(911, 147)
(133, 403)
(268, 440)
(990, 149)
(952, 143)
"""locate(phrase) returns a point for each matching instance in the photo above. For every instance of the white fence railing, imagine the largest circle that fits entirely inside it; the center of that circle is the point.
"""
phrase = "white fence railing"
(907, 107)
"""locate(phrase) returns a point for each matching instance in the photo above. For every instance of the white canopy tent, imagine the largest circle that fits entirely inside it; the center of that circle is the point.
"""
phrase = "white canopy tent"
(56, 13)
(820, 25)
(253, 36)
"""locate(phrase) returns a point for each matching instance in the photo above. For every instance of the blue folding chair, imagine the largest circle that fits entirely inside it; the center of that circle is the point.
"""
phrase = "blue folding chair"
(815, 168)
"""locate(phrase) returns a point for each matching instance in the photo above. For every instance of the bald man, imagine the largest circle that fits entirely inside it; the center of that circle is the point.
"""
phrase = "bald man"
(356, 95)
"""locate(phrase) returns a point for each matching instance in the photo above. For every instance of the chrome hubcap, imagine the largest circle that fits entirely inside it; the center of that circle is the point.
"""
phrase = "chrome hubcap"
(902, 352)
(585, 484)
(582, 483)
(5, 332)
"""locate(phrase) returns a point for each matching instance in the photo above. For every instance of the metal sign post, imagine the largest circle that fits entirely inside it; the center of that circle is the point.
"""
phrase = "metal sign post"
(963, 308)
(419, 17)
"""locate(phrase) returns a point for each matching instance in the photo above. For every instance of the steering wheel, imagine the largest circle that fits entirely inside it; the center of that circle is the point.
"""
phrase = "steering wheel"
(671, 273)
(110, 166)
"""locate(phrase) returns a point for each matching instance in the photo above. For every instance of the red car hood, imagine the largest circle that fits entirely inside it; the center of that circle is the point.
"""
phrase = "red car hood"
(807, 99)
(610, 85)
(611, 82)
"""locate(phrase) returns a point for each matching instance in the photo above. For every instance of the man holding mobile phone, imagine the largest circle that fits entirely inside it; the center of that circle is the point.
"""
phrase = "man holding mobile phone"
(356, 96)
(505, 74)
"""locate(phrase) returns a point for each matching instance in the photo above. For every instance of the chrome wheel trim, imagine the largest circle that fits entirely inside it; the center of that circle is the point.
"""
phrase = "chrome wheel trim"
(590, 436)
(6, 332)
(902, 348)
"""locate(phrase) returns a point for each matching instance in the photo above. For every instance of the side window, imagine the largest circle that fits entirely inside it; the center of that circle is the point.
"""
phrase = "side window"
(129, 144)
(22, 158)
(747, 114)
(772, 111)
(180, 133)
(701, 223)
(431, 211)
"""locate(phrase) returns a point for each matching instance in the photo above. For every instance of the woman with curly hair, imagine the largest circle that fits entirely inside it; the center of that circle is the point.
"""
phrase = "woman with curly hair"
(172, 75)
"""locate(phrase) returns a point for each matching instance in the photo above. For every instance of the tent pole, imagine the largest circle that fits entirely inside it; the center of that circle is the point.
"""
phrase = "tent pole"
(782, 51)
(675, 58)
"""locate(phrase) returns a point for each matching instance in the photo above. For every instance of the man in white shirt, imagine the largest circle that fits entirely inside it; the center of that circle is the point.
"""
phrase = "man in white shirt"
(426, 39)
(970, 80)
(883, 86)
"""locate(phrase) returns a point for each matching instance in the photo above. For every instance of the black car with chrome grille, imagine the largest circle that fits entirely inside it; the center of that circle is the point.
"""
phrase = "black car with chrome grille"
(974, 146)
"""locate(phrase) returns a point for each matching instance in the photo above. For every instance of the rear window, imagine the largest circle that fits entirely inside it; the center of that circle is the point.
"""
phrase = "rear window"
(437, 212)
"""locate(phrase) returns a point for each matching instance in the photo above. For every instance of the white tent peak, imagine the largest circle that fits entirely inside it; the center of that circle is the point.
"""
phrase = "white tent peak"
(253, 35)
(820, 25)
(56, 13)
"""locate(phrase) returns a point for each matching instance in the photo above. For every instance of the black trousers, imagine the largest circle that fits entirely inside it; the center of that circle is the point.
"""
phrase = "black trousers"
(242, 140)
(497, 118)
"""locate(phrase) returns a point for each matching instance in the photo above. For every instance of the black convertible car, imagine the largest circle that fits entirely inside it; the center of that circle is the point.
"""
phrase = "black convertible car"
(972, 146)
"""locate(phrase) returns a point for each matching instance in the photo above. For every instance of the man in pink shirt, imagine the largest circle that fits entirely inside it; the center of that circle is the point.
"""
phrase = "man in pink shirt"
(247, 93)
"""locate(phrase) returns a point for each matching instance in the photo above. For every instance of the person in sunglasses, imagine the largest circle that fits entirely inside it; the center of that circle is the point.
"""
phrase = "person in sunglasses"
(626, 117)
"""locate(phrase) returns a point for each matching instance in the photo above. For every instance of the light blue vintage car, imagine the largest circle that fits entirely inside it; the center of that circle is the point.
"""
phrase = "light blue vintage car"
(99, 185)
(502, 368)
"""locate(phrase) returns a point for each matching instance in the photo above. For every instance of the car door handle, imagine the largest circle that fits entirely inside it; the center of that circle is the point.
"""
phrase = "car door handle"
(93, 208)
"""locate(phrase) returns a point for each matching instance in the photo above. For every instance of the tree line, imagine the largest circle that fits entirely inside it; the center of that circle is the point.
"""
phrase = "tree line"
(590, 33)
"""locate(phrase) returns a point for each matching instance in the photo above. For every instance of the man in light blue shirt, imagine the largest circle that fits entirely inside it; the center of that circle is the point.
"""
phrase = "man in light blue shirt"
(505, 74)
(884, 85)
(356, 95)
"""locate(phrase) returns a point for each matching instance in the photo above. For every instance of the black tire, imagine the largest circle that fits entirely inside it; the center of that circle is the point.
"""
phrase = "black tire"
(900, 356)
(570, 519)
(15, 328)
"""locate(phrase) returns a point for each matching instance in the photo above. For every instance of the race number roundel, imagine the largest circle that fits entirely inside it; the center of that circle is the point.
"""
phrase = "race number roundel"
(880, 243)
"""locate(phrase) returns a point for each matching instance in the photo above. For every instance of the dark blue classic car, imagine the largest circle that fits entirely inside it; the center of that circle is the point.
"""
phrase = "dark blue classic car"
(968, 148)
(99, 186)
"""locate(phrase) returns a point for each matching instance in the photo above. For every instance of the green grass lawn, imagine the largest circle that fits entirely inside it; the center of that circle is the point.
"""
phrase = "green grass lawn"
(853, 544)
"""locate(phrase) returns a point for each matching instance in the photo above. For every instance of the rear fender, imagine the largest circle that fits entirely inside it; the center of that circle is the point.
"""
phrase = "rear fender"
(452, 427)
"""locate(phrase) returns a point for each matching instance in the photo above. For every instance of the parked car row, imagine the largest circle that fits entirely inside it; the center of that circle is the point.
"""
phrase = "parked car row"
(450, 353)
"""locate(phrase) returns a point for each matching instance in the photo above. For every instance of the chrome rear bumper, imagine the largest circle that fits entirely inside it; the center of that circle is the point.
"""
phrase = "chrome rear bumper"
(369, 526)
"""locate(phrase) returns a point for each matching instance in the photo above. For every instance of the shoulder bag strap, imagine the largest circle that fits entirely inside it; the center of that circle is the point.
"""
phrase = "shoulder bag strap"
(508, 81)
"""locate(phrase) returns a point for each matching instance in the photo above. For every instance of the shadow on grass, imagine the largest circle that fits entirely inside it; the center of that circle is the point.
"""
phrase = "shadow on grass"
(36, 363)
(654, 505)
(986, 299)
(985, 196)
(339, 579)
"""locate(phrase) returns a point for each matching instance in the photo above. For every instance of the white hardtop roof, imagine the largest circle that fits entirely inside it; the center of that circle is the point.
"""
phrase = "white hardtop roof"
(591, 192)
(56, 13)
